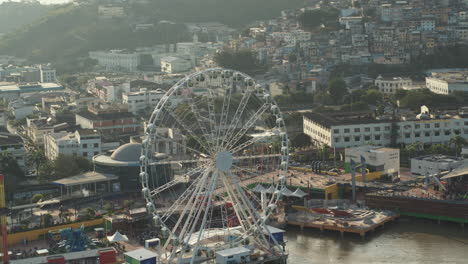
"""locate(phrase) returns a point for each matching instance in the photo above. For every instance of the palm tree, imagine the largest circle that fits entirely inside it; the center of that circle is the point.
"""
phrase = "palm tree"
(458, 142)
(36, 157)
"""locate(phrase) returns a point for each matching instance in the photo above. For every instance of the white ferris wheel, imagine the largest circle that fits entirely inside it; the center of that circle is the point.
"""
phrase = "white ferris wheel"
(221, 133)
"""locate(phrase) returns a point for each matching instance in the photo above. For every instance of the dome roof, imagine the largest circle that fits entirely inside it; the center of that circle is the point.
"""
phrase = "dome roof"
(128, 152)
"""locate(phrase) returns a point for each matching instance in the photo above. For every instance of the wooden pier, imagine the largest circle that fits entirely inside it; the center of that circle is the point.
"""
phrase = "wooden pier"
(341, 225)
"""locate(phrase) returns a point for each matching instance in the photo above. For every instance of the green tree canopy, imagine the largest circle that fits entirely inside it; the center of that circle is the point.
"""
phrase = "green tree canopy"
(315, 18)
(337, 89)
(243, 60)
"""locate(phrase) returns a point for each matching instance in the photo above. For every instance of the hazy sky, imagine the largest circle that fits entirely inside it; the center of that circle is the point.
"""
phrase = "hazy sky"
(43, 1)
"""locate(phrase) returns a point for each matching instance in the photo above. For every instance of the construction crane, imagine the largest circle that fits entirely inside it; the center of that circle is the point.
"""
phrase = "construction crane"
(3, 221)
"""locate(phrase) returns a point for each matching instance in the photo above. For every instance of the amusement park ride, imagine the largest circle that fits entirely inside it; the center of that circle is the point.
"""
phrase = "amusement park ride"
(214, 212)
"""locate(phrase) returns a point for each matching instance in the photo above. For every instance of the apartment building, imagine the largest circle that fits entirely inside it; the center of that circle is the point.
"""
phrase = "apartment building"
(342, 130)
(84, 142)
(108, 120)
(141, 100)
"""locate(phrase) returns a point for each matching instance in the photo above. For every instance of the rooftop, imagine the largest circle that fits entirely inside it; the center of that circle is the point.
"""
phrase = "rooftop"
(141, 254)
(336, 119)
(87, 177)
(439, 158)
(105, 116)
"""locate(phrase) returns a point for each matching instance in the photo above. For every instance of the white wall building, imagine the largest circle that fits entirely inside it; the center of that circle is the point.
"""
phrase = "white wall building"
(434, 164)
(344, 130)
(447, 82)
(141, 100)
(174, 65)
(386, 160)
(85, 143)
(110, 11)
(391, 85)
(117, 60)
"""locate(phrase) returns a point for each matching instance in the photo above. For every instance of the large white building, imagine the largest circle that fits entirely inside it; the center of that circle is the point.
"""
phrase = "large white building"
(141, 100)
(117, 60)
(85, 143)
(342, 130)
(385, 160)
(434, 164)
(448, 82)
(391, 85)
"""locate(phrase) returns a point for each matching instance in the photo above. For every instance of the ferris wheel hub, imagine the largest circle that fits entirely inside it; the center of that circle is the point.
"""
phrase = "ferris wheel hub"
(224, 160)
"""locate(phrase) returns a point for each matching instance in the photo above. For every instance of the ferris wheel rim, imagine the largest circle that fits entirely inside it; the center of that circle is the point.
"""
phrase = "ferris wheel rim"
(284, 152)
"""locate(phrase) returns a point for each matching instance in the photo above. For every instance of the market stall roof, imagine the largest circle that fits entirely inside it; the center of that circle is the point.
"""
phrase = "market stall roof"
(271, 189)
(285, 191)
(457, 172)
(117, 237)
(299, 193)
(84, 178)
(259, 188)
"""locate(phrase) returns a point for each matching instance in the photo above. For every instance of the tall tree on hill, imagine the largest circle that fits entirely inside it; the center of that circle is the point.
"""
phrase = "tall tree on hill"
(337, 89)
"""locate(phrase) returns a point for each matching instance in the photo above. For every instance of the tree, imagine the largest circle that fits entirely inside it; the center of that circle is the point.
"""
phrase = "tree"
(12, 171)
(90, 212)
(36, 157)
(315, 18)
(243, 60)
(66, 165)
(109, 207)
(47, 220)
(458, 142)
(337, 89)
(301, 140)
(37, 197)
(373, 97)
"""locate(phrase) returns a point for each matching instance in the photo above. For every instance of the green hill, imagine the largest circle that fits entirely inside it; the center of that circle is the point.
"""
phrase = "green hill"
(16, 14)
(67, 33)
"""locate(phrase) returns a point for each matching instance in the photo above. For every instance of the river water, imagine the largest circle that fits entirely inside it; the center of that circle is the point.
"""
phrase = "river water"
(405, 241)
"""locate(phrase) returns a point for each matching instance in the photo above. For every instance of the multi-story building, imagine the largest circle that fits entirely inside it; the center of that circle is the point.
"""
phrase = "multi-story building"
(117, 60)
(47, 74)
(448, 82)
(381, 159)
(391, 85)
(174, 64)
(141, 100)
(108, 120)
(85, 142)
(13, 144)
(434, 164)
(110, 11)
(38, 127)
(342, 130)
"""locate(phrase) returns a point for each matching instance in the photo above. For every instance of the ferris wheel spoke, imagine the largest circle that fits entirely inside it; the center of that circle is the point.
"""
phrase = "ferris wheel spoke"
(253, 217)
(182, 145)
(200, 123)
(182, 199)
(238, 114)
(247, 126)
(224, 114)
(191, 134)
(174, 182)
(189, 208)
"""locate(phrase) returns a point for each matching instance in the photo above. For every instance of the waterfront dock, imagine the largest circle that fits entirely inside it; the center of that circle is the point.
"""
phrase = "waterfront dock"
(358, 221)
